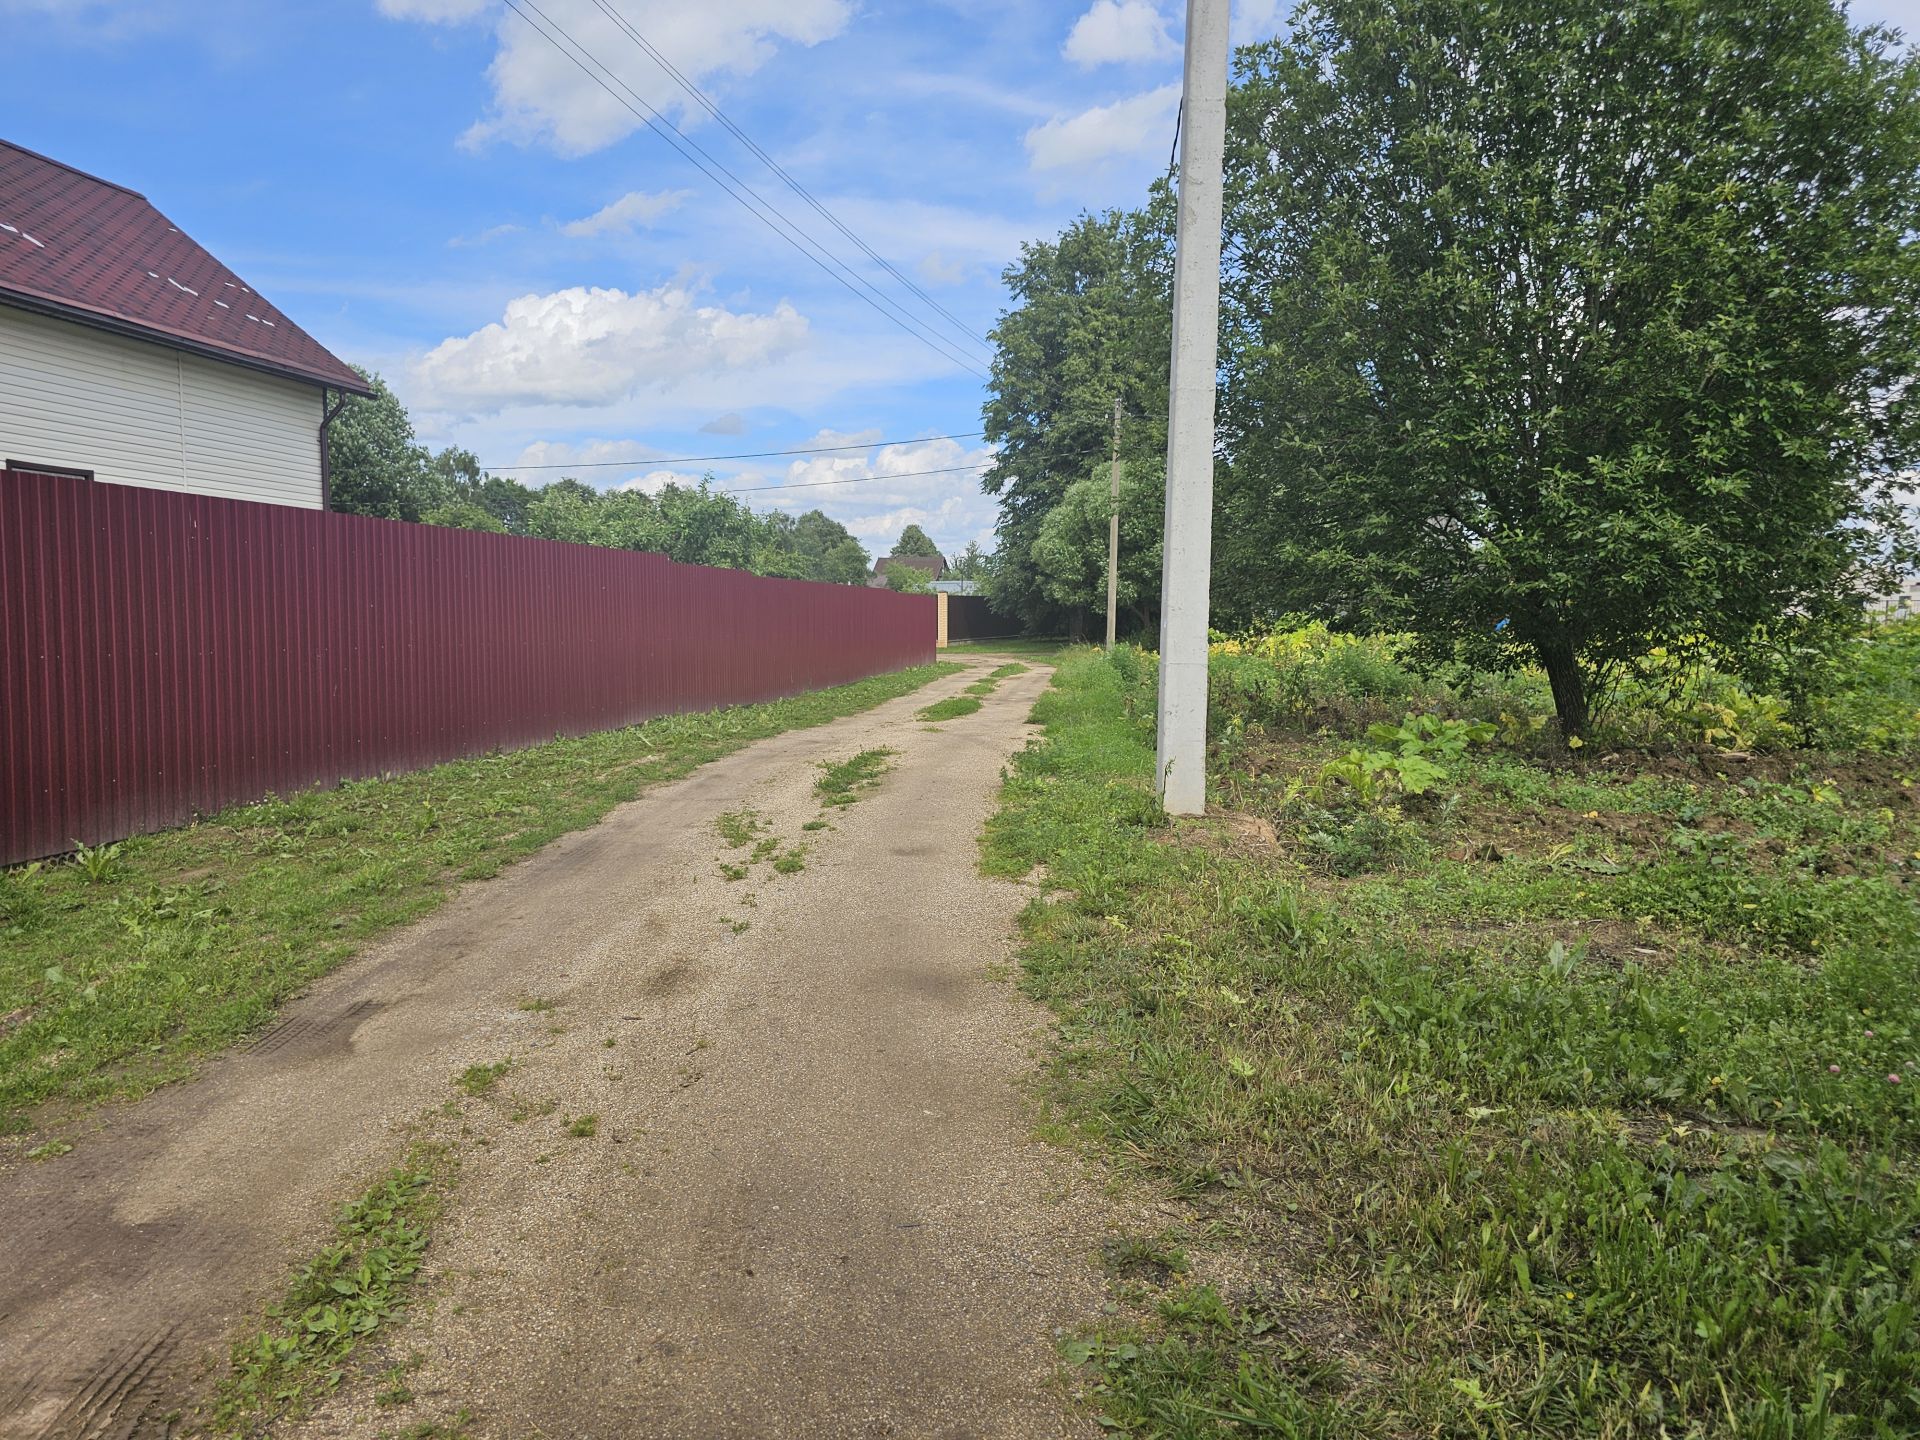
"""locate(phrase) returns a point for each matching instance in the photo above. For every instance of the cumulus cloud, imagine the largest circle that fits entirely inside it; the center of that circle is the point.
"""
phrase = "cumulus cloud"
(1257, 20)
(892, 492)
(492, 233)
(1119, 32)
(631, 211)
(654, 481)
(434, 12)
(936, 269)
(1126, 127)
(584, 453)
(541, 97)
(586, 347)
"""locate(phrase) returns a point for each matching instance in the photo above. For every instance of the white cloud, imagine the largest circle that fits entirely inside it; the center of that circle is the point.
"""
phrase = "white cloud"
(583, 453)
(1119, 32)
(654, 481)
(892, 492)
(1257, 20)
(731, 423)
(434, 12)
(1126, 127)
(541, 96)
(936, 269)
(495, 232)
(587, 347)
(631, 211)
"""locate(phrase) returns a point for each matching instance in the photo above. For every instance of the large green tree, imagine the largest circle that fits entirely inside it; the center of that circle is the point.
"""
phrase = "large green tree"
(1557, 329)
(1070, 552)
(971, 563)
(375, 466)
(915, 541)
(1090, 321)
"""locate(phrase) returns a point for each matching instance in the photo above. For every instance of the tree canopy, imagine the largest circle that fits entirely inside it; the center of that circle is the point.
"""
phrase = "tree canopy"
(1090, 321)
(379, 468)
(1563, 329)
(1554, 331)
(915, 541)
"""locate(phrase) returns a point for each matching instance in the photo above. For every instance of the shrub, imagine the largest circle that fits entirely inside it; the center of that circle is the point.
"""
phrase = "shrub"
(1310, 674)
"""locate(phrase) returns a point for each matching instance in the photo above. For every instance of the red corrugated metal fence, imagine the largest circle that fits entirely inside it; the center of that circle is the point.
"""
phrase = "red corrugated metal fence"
(164, 655)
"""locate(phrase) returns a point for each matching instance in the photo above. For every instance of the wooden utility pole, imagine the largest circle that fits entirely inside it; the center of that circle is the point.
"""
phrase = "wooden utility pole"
(1113, 533)
(1187, 556)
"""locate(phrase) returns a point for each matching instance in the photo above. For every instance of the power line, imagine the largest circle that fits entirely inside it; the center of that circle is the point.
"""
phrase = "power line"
(738, 189)
(869, 479)
(744, 455)
(805, 194)
(850, 480)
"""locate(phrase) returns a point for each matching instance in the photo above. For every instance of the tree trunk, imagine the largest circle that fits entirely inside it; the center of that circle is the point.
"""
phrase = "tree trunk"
(1569, 686)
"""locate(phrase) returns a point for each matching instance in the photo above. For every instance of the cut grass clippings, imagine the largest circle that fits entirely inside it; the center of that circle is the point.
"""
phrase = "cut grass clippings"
(115, 981)
(1465, 1157)
(351, 1288)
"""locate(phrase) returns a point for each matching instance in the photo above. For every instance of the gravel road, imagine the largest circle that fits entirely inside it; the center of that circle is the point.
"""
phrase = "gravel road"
(811, 1203)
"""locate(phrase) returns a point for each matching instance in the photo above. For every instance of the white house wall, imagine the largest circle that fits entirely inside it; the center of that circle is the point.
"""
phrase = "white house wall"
(136, 413)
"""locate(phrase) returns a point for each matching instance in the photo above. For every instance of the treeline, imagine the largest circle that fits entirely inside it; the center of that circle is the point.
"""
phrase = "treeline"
(1553, 333)
(378, 467)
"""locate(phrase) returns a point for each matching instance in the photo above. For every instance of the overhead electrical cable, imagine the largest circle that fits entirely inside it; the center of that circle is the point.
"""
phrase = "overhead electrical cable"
(706, 102)
(750, 199)
(744, 455)
(869, 479)
(849, 479)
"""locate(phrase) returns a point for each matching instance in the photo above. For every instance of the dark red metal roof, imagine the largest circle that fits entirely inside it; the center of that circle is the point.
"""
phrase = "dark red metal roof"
(74, 245)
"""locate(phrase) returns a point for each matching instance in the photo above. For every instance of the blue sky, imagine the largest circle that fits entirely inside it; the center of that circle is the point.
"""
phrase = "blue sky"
(431, 190)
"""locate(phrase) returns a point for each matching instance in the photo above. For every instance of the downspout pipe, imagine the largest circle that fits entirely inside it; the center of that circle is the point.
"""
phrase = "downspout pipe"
(328, 414)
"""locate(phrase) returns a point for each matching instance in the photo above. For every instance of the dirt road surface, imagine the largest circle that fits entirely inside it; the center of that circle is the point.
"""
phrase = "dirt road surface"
(811, 1204)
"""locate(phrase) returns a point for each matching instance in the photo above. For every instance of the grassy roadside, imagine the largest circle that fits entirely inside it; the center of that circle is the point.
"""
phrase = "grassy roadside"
(1557, 1101)
(1022, 646)
(117, 971)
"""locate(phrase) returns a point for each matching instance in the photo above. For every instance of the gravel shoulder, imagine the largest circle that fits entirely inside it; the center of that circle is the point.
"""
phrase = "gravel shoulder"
(810, 1201)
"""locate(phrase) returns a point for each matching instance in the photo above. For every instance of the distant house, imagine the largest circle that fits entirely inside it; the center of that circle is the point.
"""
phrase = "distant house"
(129, 354)
(934, 565)
(1903, 604)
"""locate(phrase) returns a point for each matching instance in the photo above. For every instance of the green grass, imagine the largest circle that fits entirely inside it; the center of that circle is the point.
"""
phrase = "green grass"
(117, 973)
(345, 1293)
(1595, 1138)
(1007, 672)
(738, 827)
(952, 708)
(1025, 646)
(843, 782)
(478, 1080)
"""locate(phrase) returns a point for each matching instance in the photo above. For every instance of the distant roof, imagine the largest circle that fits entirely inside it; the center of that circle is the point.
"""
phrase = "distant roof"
(934, 565)
(85, 249)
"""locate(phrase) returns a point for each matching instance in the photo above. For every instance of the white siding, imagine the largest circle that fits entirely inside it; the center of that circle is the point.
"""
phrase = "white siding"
(137, 413)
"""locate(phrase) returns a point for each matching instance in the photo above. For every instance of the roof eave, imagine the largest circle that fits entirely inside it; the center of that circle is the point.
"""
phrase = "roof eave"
(347, 381)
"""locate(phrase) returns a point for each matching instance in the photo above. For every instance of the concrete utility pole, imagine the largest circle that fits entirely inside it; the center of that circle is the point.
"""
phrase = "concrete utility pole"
(1187, 562)
(1113, 532)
